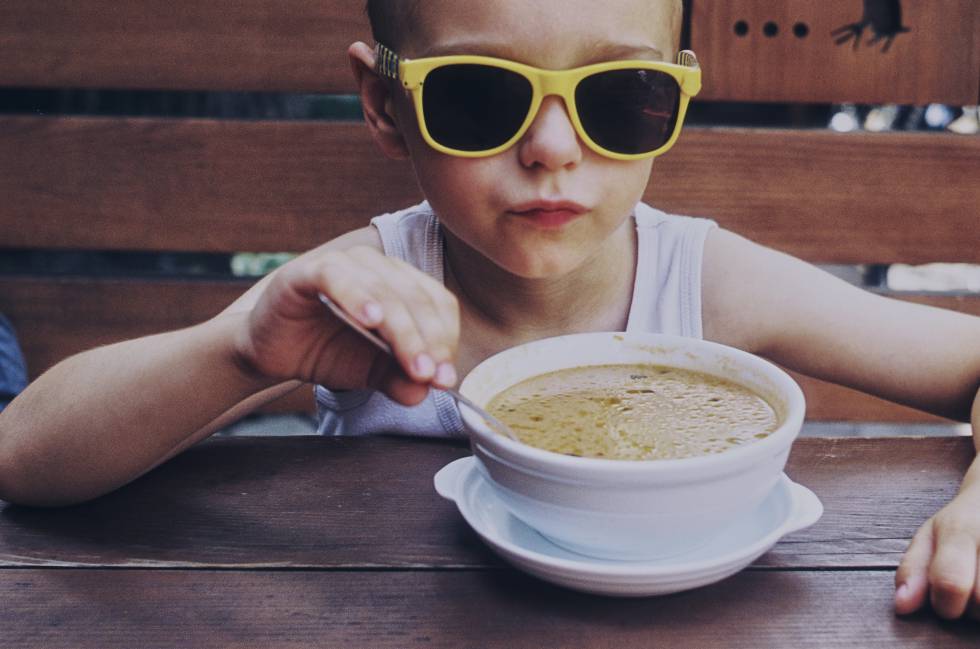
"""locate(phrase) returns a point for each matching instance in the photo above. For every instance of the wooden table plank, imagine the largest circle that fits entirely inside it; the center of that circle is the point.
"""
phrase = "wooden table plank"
(875, 496)
(368, 503)
(493, 608)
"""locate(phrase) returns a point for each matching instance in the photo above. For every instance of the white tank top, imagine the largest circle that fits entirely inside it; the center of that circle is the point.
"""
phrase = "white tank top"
(666, 299)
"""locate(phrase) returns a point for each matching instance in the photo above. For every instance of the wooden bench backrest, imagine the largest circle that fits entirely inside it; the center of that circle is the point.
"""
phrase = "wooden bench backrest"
(149, 184)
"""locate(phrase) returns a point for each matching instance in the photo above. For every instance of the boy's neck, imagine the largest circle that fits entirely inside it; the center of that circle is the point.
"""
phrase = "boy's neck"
(594, 296)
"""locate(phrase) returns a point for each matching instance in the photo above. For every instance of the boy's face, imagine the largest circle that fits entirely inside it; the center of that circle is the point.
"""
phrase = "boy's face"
(484, 201)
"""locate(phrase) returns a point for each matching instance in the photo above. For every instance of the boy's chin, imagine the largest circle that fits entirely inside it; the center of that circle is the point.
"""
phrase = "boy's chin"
(534, 267)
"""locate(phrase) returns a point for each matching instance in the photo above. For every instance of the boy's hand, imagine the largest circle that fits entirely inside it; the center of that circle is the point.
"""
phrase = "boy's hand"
(941, 562)
(291, 335)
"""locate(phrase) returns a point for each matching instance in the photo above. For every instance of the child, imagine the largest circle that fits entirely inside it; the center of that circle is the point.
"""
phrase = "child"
(540, 232)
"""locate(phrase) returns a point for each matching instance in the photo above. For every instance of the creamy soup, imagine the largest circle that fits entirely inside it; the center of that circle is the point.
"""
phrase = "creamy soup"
(633, 412)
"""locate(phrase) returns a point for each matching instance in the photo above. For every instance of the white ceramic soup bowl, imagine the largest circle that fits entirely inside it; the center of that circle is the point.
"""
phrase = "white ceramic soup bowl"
(629, 509)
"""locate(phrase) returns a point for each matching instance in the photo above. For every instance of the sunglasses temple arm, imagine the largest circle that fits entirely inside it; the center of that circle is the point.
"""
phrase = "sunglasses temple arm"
(386, 62)
(688, 59)
(691, 83)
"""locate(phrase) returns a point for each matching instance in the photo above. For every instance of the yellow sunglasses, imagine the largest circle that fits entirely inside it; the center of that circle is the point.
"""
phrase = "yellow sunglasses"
(476, 106)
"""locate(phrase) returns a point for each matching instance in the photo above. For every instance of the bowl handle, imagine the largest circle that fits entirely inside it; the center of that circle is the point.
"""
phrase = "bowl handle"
(807, 509)
(447, 479)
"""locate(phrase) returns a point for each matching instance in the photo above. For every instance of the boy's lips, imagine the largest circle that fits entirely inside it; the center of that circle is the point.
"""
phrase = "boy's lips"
(549, 214)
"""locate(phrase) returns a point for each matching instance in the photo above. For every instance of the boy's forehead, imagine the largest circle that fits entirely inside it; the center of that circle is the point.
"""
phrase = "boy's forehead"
(547, 33)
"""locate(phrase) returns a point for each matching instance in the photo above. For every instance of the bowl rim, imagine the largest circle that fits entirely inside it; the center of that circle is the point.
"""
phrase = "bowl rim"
(716, 463)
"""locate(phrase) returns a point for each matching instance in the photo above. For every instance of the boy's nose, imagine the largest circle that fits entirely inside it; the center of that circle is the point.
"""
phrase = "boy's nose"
(551, 140)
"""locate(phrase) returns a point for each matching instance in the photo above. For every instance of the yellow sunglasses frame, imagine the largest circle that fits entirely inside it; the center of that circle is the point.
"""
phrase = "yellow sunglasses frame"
(544, 83)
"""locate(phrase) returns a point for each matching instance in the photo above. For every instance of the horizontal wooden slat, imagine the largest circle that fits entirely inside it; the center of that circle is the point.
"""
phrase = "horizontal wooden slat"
(830, 197)
(57, 317)
(943, 39)
(147, 184)
(105, 609)
(275, 45)
(300, 45)
(190, 185)
(318, 502)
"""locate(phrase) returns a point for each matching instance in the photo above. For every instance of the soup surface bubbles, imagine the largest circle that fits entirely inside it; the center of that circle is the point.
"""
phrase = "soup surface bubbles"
(633, 412)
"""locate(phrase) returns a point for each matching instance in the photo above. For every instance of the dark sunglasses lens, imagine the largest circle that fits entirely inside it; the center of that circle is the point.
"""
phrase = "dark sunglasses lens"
(474, 107)
(628, 111)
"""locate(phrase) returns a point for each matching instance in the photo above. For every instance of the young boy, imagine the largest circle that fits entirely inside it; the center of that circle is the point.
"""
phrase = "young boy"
(539, 232)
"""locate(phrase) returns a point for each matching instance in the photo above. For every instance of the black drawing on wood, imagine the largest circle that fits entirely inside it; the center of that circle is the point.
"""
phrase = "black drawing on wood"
(884, 17)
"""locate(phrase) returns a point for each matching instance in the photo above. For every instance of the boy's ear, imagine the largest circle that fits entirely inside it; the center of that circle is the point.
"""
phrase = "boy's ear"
(377, 102)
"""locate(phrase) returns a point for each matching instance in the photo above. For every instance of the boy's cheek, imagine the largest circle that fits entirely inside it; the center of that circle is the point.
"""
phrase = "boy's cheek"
(456, 183)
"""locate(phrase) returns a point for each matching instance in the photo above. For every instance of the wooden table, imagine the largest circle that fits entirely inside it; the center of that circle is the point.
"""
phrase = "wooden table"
(301, 542)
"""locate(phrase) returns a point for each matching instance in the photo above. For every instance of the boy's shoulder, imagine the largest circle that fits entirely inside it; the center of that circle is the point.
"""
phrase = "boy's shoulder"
(412, 235)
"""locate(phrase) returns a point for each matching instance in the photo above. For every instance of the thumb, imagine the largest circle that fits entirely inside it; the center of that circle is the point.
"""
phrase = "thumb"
(912, 576)
(403, 389)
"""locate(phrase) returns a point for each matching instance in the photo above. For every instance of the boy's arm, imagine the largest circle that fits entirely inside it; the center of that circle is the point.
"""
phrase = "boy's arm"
(801, 317)
(104, 417)
(101, 418)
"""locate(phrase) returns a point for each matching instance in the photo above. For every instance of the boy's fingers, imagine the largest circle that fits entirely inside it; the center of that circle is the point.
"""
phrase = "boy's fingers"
(403, 390)
(429, 322)
(446, 309)
(447, 306)
(953, 572)
(436, 324)
(359, 281)
(399, 328)
(912, 576)
(395, 299)
(354, 292)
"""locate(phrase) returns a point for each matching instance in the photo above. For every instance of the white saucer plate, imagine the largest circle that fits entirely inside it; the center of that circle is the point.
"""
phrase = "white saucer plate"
(788, 508)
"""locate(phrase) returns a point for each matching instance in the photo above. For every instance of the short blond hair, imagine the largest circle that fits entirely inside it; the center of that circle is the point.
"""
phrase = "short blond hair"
(393, 20)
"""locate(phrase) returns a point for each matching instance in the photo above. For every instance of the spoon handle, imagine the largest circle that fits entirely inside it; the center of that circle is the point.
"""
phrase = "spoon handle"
(355, 325)
(494, 423)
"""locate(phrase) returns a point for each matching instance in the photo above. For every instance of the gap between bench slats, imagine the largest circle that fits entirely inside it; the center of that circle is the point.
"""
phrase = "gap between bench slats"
(202, 185)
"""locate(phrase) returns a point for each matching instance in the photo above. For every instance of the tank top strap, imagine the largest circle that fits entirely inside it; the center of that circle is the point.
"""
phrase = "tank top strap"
(667, 287)
(414, 236)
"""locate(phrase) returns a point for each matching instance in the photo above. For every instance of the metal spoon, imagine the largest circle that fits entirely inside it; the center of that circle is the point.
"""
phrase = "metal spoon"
(492, 421)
